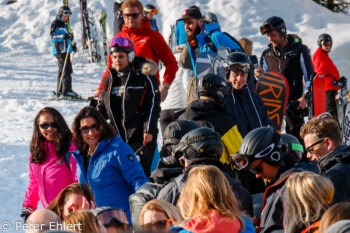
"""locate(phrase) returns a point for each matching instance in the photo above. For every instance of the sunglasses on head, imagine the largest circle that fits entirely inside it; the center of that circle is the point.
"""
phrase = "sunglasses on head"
(159, 225)
(47, 125)
(134, 15)
(86, 129)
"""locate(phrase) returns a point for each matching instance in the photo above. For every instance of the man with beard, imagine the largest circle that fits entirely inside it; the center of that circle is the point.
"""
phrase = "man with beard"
(201, 37)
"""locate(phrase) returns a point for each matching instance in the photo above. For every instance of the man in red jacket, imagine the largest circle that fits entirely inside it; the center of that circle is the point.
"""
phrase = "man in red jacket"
(149, 43)
(324, 65)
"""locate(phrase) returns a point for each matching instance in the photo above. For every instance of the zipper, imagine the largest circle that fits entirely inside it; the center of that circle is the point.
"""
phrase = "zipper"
(123, 121)
(109, 94)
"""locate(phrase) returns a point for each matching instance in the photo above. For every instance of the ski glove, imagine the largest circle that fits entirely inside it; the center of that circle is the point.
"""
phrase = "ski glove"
(26, 211)
(74, 47)
(69, 36)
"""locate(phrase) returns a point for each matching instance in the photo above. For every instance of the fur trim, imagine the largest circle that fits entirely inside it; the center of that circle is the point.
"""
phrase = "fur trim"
(149, 68)
(180, 48)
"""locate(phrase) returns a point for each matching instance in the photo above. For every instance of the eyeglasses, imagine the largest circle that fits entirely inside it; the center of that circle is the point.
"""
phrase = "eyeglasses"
(257, 169)
(310, 149)
(240, 67)
(47, 125)
(265, 28)
(87, 129)
(327, 43)
(134, 15)
(67, 12)
(106, 217)
(159, 225)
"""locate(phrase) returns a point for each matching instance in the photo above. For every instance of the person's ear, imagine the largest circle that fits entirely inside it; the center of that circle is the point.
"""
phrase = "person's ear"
(330, 144)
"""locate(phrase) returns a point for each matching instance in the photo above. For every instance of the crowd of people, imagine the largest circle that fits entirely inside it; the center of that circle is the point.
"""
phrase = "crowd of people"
(223, 168)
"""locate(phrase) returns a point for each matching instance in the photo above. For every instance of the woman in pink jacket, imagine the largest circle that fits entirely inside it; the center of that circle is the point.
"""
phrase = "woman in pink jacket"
(51, 166)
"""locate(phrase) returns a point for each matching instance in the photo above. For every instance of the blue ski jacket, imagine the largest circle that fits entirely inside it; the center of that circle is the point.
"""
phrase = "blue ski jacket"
(154, 25)
(113, 173)
(59, 30)
(180, 33)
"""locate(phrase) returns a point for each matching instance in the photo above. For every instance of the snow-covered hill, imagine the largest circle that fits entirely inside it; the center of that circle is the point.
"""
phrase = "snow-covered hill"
(28, 70)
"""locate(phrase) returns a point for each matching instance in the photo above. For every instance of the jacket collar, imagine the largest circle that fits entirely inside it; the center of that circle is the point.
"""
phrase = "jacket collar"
(145, 25)
(338, 155)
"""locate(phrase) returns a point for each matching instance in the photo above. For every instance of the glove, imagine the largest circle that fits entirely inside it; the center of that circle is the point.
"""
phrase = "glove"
(74, 47)
(26, 211)
(69, 36)
(342, 83)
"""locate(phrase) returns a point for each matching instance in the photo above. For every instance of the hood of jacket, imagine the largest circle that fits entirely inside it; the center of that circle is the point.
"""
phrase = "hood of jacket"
(210, 27)
(200, 108)
(338, 155)
(145, 25)
(141, 64)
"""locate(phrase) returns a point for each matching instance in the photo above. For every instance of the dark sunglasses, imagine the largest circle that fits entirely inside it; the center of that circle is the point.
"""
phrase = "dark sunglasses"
(87, 129)
(159, 225)
(134, 15)
(257, 169)
(47, 125)
(310, 150)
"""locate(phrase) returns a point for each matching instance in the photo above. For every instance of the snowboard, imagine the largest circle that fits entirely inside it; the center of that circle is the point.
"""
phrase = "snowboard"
(319, 94)
(274, 91)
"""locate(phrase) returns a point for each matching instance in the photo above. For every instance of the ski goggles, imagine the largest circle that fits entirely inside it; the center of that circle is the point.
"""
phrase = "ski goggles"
(265, 28)
(67, 12)
(239, 67)
(108, 216)
(159, 225)
(134, 15)
(48, 125)
(327, 43)
(153, 11)
(121, 42)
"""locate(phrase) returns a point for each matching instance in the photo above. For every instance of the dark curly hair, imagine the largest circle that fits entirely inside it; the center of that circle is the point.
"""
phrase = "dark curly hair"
(62, 142)
(105, 129)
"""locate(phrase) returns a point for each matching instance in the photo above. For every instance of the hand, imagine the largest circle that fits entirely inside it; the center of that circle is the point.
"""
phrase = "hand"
(258, 72)
(69, 36)
(86, 205)
(26, 211)
(74, 47)
(303, 103)
(147, 137)
(163, 93)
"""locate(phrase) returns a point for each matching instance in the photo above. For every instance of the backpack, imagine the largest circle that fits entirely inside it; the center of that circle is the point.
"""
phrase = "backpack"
(213, 47)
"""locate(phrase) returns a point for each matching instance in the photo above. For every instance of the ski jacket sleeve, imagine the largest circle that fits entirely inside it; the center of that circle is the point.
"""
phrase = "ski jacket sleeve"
(306, 66)
(73, 163)
(32, 195)
(101, 106)
(100, 87)
(151, 106)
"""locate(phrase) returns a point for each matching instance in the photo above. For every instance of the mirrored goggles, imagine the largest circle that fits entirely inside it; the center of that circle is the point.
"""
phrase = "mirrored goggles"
(120, 41)
(327, 43)
(240, 67)
(67, 12)
(153, 11)
(239, 162)
(106, 217)
(265, 28)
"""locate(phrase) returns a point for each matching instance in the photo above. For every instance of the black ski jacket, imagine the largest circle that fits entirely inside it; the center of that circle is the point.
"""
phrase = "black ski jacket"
(294, 62)
(172, 190)
(210, 114)
(336, 165)
(247, 109)
(141, 101)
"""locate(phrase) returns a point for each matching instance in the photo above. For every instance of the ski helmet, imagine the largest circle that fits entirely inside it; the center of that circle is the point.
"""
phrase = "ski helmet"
(236, 62)
(274, 23)
(175, 130)
(214, 86)
(261, 143)
(198, 143)
(293, 145)
(122, 44)
(64, 10)
(211, 18)
(322, 38)
(149, 8)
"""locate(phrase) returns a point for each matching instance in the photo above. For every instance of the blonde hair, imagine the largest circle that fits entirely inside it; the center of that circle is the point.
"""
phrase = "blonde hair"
(307, 195)
(171, 211)
(81, 221)
(333, 214)
(247, 46)
(206, 189)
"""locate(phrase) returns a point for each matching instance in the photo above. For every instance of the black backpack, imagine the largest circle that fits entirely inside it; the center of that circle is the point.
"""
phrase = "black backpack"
(213, 47)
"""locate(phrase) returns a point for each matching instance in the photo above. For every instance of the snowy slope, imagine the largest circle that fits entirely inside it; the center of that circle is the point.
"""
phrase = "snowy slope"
(28, 70)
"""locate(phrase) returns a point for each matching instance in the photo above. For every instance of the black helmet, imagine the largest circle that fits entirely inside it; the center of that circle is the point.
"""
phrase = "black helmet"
(323, 37)
(214, 86)
(211, 18)
(293, 145)
(199, 143)
(274, 23)
(149, 8)
(175, 130)
(237, 61)
(64, 10)
(261, 143)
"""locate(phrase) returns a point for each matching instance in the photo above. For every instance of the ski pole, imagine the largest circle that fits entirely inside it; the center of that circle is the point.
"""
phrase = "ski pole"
(64, 69)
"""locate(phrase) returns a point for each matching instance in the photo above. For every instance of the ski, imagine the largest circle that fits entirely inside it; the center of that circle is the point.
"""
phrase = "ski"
(91, 39)
(83, 6)
(103, 26)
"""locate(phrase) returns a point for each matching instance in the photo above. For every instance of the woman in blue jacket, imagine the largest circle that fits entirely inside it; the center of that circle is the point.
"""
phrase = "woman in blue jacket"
(105, 162)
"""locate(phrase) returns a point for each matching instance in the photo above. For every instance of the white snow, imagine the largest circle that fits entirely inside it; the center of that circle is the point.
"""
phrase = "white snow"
(28, 69)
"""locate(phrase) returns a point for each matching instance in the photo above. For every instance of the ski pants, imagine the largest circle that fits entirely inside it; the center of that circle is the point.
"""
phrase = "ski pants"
(65, 85)
(331, 105)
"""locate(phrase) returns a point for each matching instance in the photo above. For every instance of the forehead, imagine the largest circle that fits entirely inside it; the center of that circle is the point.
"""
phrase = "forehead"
(87, 121)
(131, 10)
(273, 33)
(310, 138)
(119, 53)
